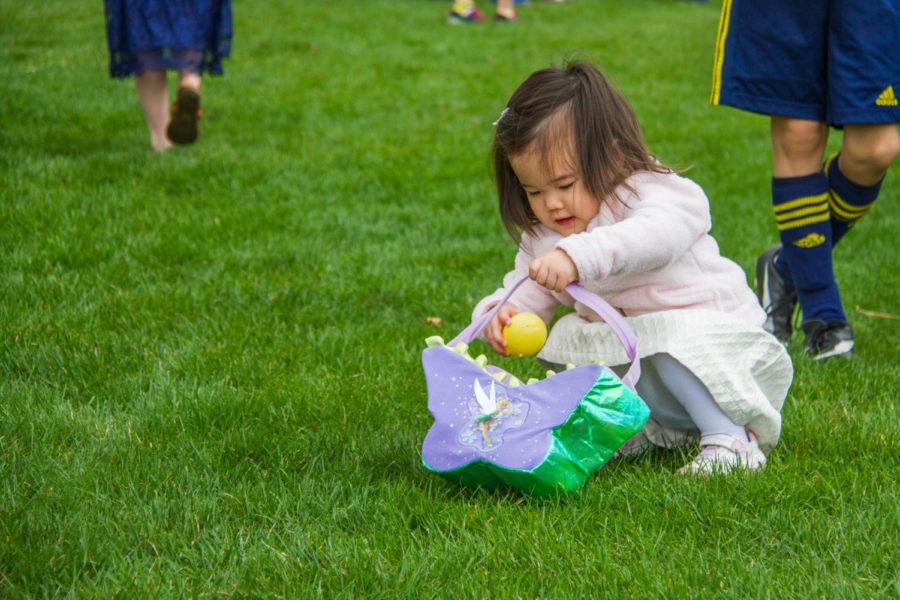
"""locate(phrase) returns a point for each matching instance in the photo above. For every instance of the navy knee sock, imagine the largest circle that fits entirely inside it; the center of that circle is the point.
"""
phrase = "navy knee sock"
(847, 201)
(803, 218)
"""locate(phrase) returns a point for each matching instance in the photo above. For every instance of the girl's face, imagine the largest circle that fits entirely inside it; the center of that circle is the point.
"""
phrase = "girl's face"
(556, 194)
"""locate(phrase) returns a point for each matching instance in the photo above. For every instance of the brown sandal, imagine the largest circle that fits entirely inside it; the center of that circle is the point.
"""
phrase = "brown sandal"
(184, 127)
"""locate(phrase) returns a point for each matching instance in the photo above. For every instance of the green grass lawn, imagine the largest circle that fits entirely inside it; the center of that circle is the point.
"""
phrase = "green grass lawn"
(210, 378)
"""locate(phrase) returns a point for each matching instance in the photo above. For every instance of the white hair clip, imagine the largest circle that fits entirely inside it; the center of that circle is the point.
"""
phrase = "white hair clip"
(502, 112)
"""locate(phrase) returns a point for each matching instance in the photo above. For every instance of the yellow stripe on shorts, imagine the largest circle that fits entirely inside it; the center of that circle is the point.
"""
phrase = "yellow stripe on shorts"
(719, 60)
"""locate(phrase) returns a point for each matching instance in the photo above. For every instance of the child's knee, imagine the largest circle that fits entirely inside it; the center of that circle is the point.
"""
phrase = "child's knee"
(877, 152)
(797, 139)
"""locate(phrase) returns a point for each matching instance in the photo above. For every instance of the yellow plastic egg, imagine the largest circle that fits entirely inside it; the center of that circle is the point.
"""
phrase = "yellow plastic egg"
(525, 334)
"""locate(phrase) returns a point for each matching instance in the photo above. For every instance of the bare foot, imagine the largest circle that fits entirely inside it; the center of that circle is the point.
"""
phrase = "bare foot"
(189, 80)
(160, 144)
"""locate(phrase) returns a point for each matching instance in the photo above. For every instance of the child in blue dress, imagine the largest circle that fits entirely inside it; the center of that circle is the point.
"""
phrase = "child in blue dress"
(147, 37)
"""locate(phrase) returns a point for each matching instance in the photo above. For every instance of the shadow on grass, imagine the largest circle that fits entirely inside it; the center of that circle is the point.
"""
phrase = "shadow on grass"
(398, 464)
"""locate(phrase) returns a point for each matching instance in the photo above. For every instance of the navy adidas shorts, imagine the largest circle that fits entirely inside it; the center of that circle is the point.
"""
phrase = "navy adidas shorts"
(834, 61)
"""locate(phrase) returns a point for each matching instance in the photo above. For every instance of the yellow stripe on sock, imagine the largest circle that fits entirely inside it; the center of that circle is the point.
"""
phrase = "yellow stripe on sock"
(800, 212)
(835, 200)
(841, 210)
(807, 221)
(724, 19)
(805, 201)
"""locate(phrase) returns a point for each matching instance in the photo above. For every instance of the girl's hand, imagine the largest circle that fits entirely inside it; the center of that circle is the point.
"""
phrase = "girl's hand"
(554, 270)
(494, 331)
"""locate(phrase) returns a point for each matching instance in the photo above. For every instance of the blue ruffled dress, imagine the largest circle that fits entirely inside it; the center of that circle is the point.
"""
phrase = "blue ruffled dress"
(154, 35)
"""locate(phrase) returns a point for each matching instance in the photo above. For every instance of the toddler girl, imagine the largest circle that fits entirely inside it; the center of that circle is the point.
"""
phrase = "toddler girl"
(586, 202)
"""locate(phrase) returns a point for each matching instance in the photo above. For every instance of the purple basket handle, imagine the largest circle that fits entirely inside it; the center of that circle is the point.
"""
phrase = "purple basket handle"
(471, 332)
(609, 315)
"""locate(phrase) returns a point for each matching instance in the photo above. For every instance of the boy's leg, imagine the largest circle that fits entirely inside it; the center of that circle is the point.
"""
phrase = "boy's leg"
(863, 76)
(797, 146)
(854, 180)
(856, 173)
(759, 41)
(800, 201)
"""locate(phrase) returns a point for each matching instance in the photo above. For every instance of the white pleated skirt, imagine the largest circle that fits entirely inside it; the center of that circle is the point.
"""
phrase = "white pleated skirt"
(746, 370)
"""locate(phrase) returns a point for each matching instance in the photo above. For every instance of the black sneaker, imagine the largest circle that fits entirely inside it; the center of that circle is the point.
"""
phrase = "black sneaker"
(828, 339)
(776, 295)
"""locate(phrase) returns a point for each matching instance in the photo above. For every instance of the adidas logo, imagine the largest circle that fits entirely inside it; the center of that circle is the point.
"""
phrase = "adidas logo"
(810, 241)
(887, 97)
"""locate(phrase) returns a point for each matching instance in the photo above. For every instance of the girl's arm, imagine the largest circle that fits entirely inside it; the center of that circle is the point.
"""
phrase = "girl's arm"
(530, 296)
(669, 216)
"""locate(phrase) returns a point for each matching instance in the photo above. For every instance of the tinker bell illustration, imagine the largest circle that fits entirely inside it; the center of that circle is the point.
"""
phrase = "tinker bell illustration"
(490, 418)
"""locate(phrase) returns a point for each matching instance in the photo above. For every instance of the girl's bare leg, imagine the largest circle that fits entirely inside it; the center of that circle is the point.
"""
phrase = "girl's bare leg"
(189, 79)
(153, 93)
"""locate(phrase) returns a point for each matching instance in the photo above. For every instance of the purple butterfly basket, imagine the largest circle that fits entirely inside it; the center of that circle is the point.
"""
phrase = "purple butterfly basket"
(541, 438)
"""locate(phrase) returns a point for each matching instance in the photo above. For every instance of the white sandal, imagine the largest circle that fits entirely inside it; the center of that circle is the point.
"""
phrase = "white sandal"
(720, 454)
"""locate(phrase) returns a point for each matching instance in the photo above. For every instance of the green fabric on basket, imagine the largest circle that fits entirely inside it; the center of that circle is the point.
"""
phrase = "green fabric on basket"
(605, 418)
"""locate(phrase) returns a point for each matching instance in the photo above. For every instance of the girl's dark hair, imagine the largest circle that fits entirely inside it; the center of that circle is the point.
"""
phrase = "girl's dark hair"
(558, 107)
